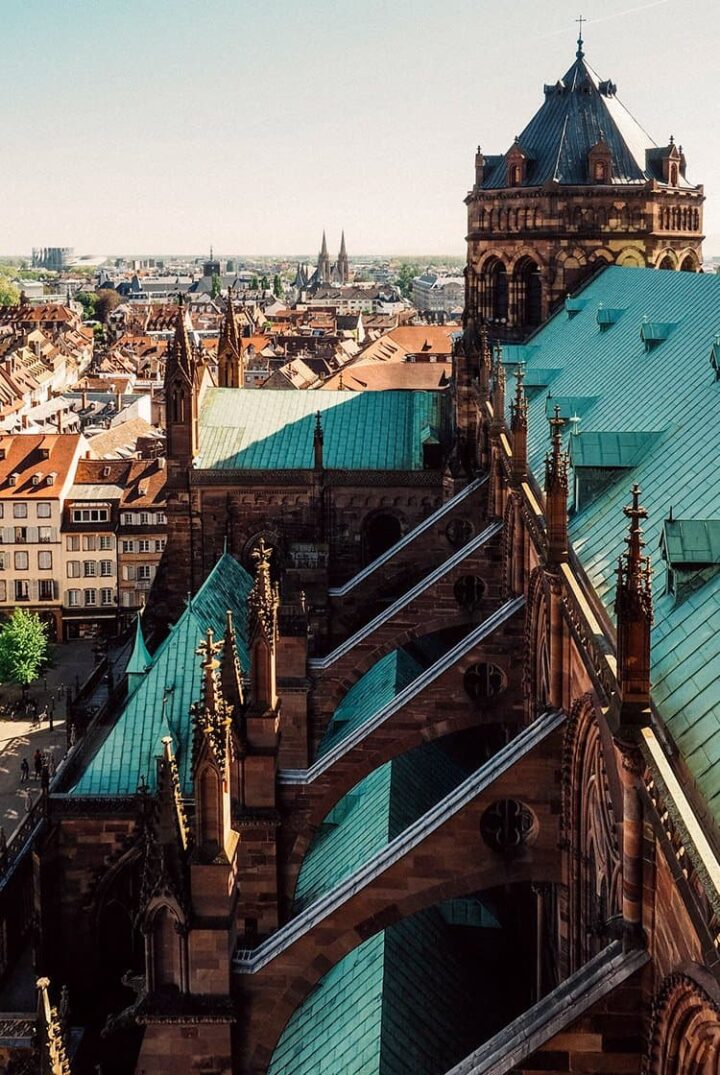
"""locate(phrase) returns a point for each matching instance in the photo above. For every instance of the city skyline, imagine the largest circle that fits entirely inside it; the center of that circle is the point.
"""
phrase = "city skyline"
(164, 130)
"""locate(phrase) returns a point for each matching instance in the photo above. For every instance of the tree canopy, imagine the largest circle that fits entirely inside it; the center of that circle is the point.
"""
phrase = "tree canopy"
(23, 647)
(88, 301)
(106, 301)
(277, 287)
(405, 277)
(9, 292)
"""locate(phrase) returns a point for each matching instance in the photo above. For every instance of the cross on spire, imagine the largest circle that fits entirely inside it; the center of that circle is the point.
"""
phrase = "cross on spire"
(580, 52)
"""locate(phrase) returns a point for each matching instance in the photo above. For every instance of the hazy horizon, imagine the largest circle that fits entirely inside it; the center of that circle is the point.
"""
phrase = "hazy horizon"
(178, 126)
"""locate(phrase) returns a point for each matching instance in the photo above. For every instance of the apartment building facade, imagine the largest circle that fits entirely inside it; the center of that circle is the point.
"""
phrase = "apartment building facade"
(36, 473)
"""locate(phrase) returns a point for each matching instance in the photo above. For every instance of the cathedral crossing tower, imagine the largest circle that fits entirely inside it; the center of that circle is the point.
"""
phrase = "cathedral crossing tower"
(581, 187)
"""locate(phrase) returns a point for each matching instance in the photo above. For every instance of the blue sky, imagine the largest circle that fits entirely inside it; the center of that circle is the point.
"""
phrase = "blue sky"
(168, 125)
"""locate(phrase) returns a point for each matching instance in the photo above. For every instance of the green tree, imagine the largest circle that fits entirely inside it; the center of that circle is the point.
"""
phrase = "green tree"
(88, 301)
(215, 286)
(264, 283)
(9, 293)
(405, 277)
(277, 287)
(23, 648)
(254, 285)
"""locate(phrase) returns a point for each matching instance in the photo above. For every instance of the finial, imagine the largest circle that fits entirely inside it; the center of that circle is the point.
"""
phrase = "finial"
(672, 140)
(580, 42)
(635, 513)
(575, 425)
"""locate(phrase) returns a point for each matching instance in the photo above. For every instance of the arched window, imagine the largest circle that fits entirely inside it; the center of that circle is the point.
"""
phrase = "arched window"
(688, 264)
(379, 533)
(667, 263)
(673, 175)
(494, 291)
(528, 292)
(515, 175)
(600, 172)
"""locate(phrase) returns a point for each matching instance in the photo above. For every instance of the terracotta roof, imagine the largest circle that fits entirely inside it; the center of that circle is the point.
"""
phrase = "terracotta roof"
(39, 456)
(429, 339)
(142, 481)
(379, 378)
(121, 441)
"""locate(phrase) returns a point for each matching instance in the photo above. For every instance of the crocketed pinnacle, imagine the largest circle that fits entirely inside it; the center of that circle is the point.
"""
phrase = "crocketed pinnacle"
(264, 599)
(556, 460)
(52, 1033)
(634, 572)
(498, 386)
(211, 715)
(518, 406)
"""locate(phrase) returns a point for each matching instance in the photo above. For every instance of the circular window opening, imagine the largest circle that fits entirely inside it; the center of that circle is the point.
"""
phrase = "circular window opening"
(469, 591)
(459, 531)
(507, 825)
(483, 681)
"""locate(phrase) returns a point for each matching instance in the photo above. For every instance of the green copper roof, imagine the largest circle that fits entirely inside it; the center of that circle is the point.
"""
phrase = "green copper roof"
(670, 389)
(393, 1006)
(376, 810)
(139, 658)
(380, 684)
(161, 703)
(607, 449)
(691, 541)
(274, 430)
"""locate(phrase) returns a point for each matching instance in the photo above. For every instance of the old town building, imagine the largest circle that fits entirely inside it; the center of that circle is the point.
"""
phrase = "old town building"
(418, 773)
(583, 186)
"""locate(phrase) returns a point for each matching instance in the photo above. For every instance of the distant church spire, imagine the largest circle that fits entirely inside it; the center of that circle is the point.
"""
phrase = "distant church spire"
(323, 266)
(343, 264)
(580, 54)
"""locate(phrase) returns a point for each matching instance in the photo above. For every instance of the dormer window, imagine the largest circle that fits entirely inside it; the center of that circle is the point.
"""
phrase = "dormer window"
(36, 479)
(13, 479)
(673, 175)
(516, 165)
(51, 479)
(600, 173)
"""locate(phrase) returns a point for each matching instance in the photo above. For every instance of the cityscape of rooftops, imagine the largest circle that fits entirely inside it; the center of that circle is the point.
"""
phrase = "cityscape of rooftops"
(360, 538)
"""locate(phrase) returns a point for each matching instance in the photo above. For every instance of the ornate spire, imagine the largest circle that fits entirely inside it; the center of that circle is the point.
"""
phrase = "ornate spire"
(211, 715)
(181, 353)
(485, 364)
(519, 427)
(498, 387)
(54, 1056)
(229, 348)
(556, 493)
(633, 607)
(318, 438)
(264, 599)
(580, 53)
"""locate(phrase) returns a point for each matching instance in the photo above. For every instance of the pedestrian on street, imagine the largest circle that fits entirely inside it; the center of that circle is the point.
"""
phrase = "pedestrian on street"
(37, 763)
(24, 771)
(50, 716)
(28, 800)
